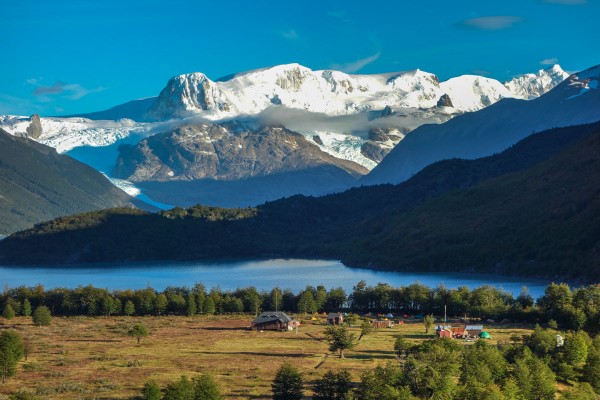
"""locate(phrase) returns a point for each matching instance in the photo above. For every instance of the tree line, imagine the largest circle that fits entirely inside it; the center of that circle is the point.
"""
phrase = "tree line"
(577, 309)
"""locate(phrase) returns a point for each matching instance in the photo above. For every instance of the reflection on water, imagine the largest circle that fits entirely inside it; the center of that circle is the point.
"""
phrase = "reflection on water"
(264, 274)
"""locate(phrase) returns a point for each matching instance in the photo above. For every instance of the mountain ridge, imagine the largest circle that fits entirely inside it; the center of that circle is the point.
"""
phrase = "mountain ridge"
(372, 226)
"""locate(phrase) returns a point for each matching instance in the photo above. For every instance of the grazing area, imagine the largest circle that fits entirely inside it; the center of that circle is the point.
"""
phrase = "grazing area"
(95, 357)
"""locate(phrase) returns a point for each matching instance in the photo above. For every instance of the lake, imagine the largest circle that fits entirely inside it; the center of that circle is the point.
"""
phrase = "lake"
(263, 274)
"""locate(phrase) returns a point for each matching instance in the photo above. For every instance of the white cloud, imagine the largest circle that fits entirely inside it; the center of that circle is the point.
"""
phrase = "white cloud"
(492, 23)
(290, 34)
(73, 91)
(357, 65)
(549, 61)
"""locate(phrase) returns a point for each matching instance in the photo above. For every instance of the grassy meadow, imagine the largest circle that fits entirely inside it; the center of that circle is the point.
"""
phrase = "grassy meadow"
(94, 358)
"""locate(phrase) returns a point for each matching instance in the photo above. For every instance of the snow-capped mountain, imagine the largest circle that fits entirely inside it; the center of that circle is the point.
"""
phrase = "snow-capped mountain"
(574, 101)
(64, 134)
(358, 118)
(530, 86)
(336, 93)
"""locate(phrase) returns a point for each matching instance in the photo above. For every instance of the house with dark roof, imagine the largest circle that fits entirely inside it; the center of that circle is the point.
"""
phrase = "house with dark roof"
(272, 321)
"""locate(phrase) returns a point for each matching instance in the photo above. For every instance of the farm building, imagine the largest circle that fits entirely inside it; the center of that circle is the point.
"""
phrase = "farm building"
(473, 331)
(272, 321)
(458, 332)
(335, 318)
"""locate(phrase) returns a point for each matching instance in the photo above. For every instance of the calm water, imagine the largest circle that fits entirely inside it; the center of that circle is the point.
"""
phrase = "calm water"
(266, 274)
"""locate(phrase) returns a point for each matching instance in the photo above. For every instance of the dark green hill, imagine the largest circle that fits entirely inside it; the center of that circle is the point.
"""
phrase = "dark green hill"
(532, 210)
(37, 184)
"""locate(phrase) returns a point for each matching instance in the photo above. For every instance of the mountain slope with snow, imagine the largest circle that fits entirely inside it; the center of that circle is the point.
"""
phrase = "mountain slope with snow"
(335, 93)
(575, 101)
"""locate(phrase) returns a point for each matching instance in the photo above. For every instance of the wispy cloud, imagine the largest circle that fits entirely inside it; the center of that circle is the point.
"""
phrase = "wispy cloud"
(71, 91)
(549, 61)
(492, 23)
(290, 34)
(566, 2)
(340, 15)
(58, 87)
(357, 65)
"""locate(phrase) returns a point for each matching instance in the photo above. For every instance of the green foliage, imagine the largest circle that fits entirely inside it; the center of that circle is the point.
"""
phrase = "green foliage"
(287, 384)
(591, 370)
(306, 302)
(138, 331)
(583, 391)
(534, 378)
(190, 305)
(11, 351)
(209, 306)
(161, 303)
(383, 383)
(205, 388)
(339, 338)
(151, 391)
(8, 312)
(129, 308)
(482, 364)
(183, 389)
(333, 386)
(402, 346)
(428, 322)
(366, 327)
(21, 395)
(42, 316)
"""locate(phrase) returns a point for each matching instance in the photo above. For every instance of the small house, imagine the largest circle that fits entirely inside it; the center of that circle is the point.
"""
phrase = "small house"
(335, 318)
(473, 331)
(272, 321)
(458, 332)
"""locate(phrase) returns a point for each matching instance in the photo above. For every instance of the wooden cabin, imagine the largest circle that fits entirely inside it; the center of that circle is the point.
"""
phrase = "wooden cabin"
(272, 321)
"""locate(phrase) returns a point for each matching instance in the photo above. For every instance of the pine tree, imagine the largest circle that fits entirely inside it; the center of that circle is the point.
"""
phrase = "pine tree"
(205, 388)
(129, 308)
(288, 383)
(26, 308)
(151, 391)
(190, 305)
(11, 351)
(42, 316)
(9, 312)
(333, 386)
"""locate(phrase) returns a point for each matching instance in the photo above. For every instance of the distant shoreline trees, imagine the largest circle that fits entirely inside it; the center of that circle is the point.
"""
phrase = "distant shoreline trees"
(569, 309)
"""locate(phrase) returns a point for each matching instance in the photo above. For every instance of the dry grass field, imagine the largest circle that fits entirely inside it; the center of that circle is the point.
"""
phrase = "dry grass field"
(94, 358)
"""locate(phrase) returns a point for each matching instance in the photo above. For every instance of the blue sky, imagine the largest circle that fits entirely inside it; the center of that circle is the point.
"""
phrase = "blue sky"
(62, 57)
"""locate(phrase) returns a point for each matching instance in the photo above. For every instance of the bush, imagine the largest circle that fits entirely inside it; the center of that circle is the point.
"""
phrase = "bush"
(42, 316)
(287, 384)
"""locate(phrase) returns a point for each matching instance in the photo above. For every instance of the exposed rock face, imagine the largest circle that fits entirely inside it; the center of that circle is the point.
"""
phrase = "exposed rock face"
(381, 142)
(445, 101)
(373, 151)
(223, 152)
(387, 111)
(317, 139)
(378, 135)
(34, 130)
